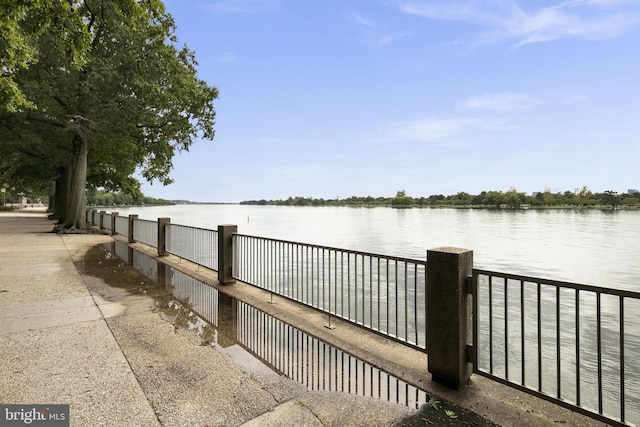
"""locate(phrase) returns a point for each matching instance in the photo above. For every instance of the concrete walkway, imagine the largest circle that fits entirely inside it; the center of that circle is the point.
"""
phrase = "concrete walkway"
(62, 344)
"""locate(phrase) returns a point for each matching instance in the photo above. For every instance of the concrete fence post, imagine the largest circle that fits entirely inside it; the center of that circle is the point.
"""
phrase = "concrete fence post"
(449, 316)
(93, 216)
(225, 253)
(162, 236)
(132, 218)
(114, 215)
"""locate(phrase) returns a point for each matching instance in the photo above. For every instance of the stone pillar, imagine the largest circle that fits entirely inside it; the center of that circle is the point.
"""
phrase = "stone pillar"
(114, 215)
(93, 216)
(449, 315)
(162, 236)
(225, 253)
(132, 218)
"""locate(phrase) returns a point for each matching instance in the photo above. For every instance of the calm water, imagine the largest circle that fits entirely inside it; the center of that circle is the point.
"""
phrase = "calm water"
(590, 247)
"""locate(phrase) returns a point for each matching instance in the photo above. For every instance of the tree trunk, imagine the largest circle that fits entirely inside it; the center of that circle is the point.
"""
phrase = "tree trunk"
(74, 195)
(59, 195)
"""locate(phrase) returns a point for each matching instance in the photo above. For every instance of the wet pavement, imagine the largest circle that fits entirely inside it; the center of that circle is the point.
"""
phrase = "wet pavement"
(93, 323)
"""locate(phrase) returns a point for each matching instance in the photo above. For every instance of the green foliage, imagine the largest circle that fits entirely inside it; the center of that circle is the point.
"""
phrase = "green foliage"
(22, 24)
(109, 92)
(512, 199)
(402, 200)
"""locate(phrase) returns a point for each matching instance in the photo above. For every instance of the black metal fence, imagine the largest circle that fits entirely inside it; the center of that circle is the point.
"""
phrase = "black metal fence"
(575, 345)
(197, 245)
(382, 293)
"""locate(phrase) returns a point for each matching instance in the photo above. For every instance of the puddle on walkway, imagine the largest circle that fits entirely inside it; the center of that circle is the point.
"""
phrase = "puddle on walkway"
(223, 322)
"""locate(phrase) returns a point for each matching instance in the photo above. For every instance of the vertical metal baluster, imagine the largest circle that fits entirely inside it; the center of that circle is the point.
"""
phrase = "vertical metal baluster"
(371, 291)
(506, 328)
(349, 285)
(599, 344)
(558, 349)
(355, 279)
(329, 278)
(378, 294)
(491, 324)
(299, 294)
(281, 268)
(522, 336)
(387, 300)
(323, 282)
(406, 304)
(396, 292)
(539, 338)
(622, 390)
(342, 283)
(577, 305)
(289, 272)
(335, 281)
(415, 302)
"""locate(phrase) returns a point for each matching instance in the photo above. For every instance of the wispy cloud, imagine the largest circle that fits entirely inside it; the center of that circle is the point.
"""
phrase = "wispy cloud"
(243, 6)
(504, 101)
(511, 21)
(458, 131)
(376, 33)
(432, 129)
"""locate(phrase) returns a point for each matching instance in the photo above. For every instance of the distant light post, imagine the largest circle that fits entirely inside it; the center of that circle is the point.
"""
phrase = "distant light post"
(4, 194)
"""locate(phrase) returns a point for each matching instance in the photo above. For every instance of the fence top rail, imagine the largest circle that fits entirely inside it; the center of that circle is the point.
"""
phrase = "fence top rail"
(330, 248)
(171, 225)
(588, 288)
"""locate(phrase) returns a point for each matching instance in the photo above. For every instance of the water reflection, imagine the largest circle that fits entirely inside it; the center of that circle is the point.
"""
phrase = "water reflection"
(220, 320)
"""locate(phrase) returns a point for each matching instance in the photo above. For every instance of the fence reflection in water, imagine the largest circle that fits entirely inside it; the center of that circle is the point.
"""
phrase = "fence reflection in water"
(284, 348)
(562, 340)
(317, 364)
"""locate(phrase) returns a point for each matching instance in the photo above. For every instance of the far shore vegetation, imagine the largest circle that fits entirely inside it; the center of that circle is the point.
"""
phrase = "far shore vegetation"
(512, 199)
(580, 198)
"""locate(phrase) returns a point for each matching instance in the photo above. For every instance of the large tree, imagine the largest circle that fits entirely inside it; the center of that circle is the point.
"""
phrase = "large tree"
(133, 102)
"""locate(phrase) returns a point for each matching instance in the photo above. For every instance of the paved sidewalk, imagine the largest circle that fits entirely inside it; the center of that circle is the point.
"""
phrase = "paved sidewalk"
(62, 344)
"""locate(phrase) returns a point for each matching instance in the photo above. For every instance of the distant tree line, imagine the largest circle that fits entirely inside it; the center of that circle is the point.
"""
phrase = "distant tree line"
(513, 199)
(97, 197)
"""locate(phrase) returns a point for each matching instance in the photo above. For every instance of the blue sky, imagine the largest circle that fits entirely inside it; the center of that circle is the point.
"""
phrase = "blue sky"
(335, 98)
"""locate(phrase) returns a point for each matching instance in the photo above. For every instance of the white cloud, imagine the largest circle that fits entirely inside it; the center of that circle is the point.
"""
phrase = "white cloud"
(432, 129)
(509, 21)
(243, 6)
(505, 101)
(366, 22)
(375, 33)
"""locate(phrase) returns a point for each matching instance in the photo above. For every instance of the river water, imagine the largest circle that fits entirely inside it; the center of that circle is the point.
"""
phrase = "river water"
(593, 247)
